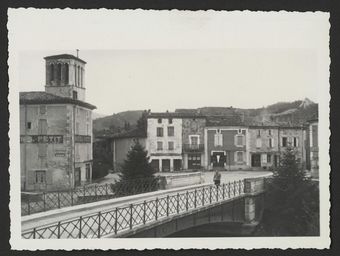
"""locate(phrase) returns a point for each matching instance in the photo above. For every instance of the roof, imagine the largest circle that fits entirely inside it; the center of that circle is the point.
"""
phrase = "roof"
(64, 56)
(48, 98)
(233, 120)
(175, 115)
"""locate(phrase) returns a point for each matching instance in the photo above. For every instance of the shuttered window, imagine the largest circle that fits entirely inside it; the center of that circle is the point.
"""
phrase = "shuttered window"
(218, 139)
(42, 127)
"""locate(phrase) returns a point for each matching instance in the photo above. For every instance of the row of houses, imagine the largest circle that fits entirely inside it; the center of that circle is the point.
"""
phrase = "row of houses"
(190, 141)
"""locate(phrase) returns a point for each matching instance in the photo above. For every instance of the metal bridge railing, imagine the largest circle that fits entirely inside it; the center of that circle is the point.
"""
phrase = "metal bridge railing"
(125, 218)
(86, 194)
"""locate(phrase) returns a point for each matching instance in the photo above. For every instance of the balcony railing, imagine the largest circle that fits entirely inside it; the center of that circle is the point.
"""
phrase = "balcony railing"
(193, 147)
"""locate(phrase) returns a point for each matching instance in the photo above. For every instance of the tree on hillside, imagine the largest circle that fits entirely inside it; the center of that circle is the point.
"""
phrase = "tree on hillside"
(136, 164)
(292, 201)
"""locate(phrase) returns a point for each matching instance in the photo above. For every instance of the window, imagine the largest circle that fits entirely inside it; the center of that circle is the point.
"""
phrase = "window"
(218, 139)
(284, 142)
(170, 120)
(171, 131)
(66, 73)
(87, 129)
(270, 132)
(295, 142)
(269, 158)
(258, 143)
(42, 109)
(59, 73)
(239, 140)
(159, 120)
(194, 140)
(159, 145)
(75, 95)
(258, 133)
(171, 145)
(29, 125)
(239, 156)
(88, 172)
(159, 132)
(40, 177)
(52, 72)
(42, 127)
(270, 143)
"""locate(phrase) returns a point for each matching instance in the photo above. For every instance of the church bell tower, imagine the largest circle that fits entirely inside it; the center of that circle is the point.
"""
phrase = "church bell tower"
(65, 75)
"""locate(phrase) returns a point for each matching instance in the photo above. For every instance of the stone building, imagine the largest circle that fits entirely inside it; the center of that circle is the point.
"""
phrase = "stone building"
(226, 143)
(121, 144)
(264, 145)
(312, 147)
(193, 141)
(293, 136)
(56, 129)
(164, 141)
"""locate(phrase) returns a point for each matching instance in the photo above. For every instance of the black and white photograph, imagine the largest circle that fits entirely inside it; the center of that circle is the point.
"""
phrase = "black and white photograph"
(179, 129)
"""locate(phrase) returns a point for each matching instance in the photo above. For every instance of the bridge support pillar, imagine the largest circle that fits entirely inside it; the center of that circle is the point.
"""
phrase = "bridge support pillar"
(252, 187)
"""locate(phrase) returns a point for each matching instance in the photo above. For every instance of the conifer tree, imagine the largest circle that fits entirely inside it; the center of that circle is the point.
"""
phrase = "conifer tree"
(292, 201)
(136, 165)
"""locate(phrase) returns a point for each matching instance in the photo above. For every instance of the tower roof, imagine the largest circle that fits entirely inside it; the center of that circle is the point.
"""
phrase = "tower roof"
(64, 56)
(38, 97)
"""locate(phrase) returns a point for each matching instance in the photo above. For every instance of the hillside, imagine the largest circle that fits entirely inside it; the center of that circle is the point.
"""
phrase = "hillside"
(298, 112)
(116, 121)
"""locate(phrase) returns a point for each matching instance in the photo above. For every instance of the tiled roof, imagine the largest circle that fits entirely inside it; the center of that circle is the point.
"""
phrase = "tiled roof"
(175, 115)
(48, 98)
(234, 120)
(64, 56)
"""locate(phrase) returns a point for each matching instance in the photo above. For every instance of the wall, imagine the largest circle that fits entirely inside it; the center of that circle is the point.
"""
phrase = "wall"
(121, 147)
(65, 89)
(193, 126)
(152, 138)
(57, 159)
(290, 133)
(229, 144)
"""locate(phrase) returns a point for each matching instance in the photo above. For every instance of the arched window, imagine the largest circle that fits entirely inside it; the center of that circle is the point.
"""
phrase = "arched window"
(75, 75)
(66, 73)
(79, 78)
(58, 73)
(51, 73)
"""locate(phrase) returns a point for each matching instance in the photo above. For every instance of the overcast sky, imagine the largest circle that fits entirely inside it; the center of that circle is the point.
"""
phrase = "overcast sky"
(166, 60)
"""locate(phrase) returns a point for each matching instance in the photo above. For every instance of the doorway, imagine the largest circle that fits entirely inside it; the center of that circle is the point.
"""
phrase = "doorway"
(77, 176)
(177, 165)
(256, 160)
(218, 159)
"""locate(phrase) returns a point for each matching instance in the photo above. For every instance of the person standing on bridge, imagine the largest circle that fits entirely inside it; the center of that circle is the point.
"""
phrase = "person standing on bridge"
(217, 178)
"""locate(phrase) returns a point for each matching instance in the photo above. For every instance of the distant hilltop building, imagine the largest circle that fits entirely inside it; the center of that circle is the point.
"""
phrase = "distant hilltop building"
(56, 129)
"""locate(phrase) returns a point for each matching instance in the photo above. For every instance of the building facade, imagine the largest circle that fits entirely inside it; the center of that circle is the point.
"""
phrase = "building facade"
(264, 146)
(56, 129)
(193, 142)
(226, 147)
(164, 141)
(121, 145)
(313, 147)
(293, 137)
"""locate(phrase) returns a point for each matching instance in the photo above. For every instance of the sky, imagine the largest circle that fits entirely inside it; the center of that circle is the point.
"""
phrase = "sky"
(163, 60)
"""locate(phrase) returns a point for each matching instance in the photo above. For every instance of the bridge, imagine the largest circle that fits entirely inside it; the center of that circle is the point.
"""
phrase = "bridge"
(154, 214)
